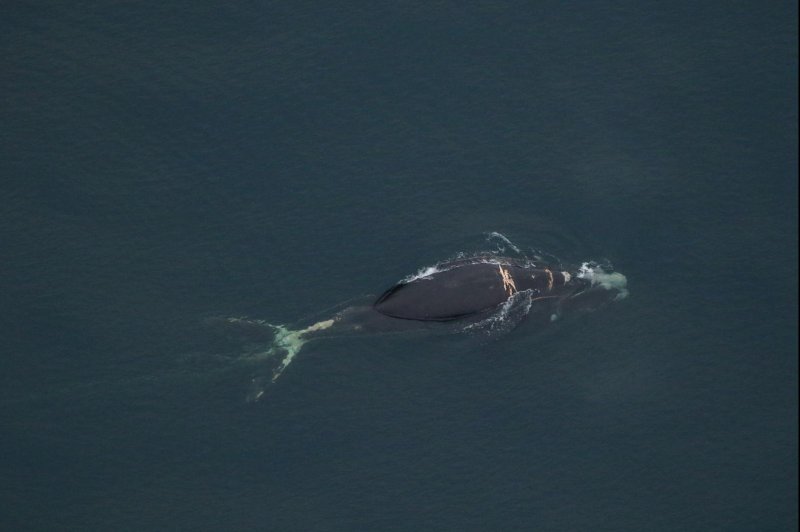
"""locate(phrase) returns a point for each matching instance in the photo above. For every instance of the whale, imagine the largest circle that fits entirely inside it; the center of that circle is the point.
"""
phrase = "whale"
(454, 295)
(464, 289)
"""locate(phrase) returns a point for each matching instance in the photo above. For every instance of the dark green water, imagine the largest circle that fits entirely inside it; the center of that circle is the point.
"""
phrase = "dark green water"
(163, 163)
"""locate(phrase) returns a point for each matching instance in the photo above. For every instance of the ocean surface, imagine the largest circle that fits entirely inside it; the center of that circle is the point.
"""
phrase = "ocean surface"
(164, 163)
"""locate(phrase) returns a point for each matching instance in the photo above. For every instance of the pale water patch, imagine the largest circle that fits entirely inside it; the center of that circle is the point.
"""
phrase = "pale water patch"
(610, 281)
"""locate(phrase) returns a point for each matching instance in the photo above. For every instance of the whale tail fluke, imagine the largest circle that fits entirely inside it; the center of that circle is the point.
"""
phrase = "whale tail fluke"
(285, 346)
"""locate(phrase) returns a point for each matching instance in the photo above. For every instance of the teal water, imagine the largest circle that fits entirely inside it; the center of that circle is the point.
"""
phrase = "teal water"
(162, 164)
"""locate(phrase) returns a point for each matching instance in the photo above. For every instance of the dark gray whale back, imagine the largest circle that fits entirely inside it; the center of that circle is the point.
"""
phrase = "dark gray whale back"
(446, 295)
(469, 287)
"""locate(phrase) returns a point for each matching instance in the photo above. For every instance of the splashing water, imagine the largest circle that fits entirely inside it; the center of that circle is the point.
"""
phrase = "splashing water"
(597, 275)
(494, 235)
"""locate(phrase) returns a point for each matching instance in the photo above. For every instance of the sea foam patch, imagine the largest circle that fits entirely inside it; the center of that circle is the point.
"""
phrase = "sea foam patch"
(610, 281)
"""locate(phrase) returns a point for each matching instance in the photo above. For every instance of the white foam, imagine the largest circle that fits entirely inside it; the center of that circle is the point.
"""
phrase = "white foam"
(610, 281)
(504, 239)
(429, 271)
(424, 273)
